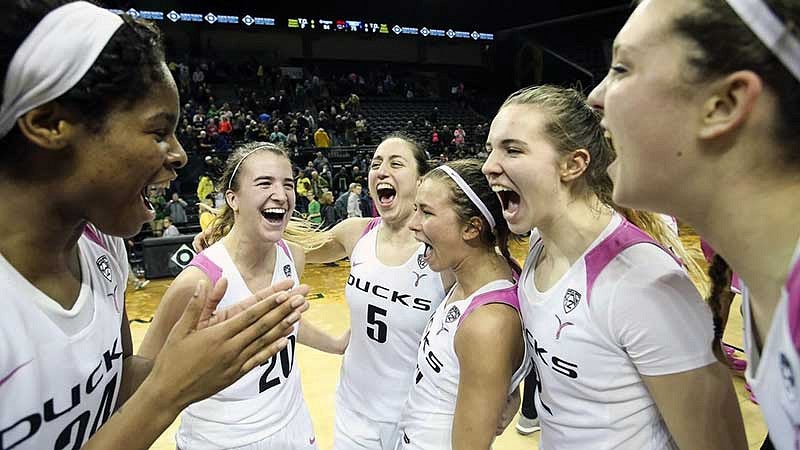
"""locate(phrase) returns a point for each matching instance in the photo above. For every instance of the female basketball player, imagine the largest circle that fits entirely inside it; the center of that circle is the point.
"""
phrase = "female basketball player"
(472, 354)
(620, 338)
(726, 82)
(391, 293)
(87, 123)
(265, 409)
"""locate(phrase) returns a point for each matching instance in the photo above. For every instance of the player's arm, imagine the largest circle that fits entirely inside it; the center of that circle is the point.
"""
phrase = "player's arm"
(692, 390)
(700, 408)
(200, 356)
(344, 236)
(310, 335)
(490, 348)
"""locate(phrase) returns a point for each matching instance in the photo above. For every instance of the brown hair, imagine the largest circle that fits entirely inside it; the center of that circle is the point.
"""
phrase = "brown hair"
(727, 45)
(470, 171)
(420, 156)
(573, 125)
(297, 230)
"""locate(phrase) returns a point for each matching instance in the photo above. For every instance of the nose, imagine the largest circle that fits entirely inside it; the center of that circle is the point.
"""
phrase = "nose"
(597, 96)
(491, 167)
(176, 157)
(415, 224)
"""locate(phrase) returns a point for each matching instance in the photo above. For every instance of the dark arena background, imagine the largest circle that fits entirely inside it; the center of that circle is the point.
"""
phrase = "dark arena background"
(328, 80)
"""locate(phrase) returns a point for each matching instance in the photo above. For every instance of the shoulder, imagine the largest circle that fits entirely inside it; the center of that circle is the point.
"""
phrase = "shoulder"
(488, 323)
(298, 254)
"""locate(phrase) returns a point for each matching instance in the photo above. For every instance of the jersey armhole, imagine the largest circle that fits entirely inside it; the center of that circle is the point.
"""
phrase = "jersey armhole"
(506, 296)
(372, 224)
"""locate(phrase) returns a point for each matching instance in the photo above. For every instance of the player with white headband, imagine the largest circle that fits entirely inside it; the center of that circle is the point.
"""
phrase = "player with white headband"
(620, 338)
(713, 88)
(87, 123)
(472, 353)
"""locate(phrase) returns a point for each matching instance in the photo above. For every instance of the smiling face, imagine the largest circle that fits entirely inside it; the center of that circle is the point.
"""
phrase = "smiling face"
(392, 178)
(436, 224)
(264, 195)
(136, 150)
(522, 166)
(649, 108)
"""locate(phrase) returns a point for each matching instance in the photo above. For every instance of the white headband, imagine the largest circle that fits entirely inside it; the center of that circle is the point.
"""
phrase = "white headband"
(771, 31)
(470, 193)
(236, 169)
(54, 57)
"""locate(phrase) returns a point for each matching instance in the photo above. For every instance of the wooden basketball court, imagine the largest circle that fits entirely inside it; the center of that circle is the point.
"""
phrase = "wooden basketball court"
(320, 371)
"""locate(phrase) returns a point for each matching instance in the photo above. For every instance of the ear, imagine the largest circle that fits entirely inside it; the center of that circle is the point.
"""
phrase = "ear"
(472, 229)
(574, 165)
(730, 103)
(47, 126)
(231, 200)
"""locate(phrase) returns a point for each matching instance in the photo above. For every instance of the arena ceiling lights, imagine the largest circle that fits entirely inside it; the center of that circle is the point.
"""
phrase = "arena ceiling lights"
(306, 24)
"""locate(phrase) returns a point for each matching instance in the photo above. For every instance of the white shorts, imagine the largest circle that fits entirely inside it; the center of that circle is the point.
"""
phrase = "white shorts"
(422, 439)
(297, 435)
(353, 431)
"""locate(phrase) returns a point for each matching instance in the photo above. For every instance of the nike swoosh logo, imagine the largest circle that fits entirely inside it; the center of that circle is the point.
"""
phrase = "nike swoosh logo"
(312, 440)
(8, 377)
(357, 263)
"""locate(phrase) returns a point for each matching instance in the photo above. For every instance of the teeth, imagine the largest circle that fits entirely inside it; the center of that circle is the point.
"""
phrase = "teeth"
(609, 138)
(274, 211)
(384, 186)
(497, 188)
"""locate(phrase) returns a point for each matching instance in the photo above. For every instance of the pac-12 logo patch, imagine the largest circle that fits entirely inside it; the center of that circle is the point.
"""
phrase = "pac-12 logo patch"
(788, 379)
(421, 261)
(287, 270)
(571, 300)
(453, 314)
(104, 266)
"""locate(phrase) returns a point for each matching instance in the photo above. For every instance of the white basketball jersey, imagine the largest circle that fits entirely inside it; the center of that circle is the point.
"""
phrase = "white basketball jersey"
(427, 421)
(389, 307)
(624, 309)
(58, 387)
(773, 373)
(260, 403)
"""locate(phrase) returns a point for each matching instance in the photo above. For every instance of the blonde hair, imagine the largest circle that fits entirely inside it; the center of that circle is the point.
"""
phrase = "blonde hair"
(298, 231)
(573, 124)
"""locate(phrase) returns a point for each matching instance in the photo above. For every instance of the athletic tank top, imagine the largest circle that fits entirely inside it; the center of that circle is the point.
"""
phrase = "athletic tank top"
(773, 373)
(263, 401)
(389, 307)
(590, 391)
(57, 388)
(427, 421)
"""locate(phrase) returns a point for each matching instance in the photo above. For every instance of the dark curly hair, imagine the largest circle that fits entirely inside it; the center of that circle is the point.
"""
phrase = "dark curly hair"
(122, 74)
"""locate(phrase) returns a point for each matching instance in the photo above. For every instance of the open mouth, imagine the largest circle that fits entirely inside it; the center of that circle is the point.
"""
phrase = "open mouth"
(152, 189)
(609, 138)
(508, 198)
(428, 249)
(274, 216)
(386, 194)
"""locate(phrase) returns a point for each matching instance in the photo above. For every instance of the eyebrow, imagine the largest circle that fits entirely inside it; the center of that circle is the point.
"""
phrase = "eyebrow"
(390, 157)
(271, 178)
(169, 117)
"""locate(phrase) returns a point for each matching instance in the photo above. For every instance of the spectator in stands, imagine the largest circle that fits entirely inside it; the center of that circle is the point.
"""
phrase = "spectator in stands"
(305, 140)
(198, 76)
(341, 180)
(170, 229)
(435, 141)
(277, 137)
(156, 198)
(302, 186)
(434, 117)
(446, 138)
(176, 209)
(291, 140)
(321, 138)
(320, 162)
(225, 126)
(459, 137)
(318, 184)
(362, 134)
(314, 216)
(354, 201)
(327, 211)
(211, 127)
(357, 176)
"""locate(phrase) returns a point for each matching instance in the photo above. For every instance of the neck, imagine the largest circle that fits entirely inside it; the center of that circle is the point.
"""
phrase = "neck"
(35, 226)
(253, 256)
(757, 240)
(478, 268)
(396, 230)
(567, 234)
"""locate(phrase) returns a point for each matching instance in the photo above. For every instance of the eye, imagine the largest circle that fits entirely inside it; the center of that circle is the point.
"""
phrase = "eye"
(618, 69)
(161, 135)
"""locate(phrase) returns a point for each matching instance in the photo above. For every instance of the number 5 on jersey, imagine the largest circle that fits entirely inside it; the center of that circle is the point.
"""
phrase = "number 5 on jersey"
(376, 328)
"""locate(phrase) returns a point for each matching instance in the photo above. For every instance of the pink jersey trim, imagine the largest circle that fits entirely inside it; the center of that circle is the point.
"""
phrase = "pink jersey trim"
(286, 250)
(626, 235)
(793, 304)
(202, 262)
(372, 224)
(92, 235)
(507, 296)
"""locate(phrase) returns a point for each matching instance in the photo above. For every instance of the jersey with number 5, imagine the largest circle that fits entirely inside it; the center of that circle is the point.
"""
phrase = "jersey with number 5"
(389, 308)
(263, 401)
